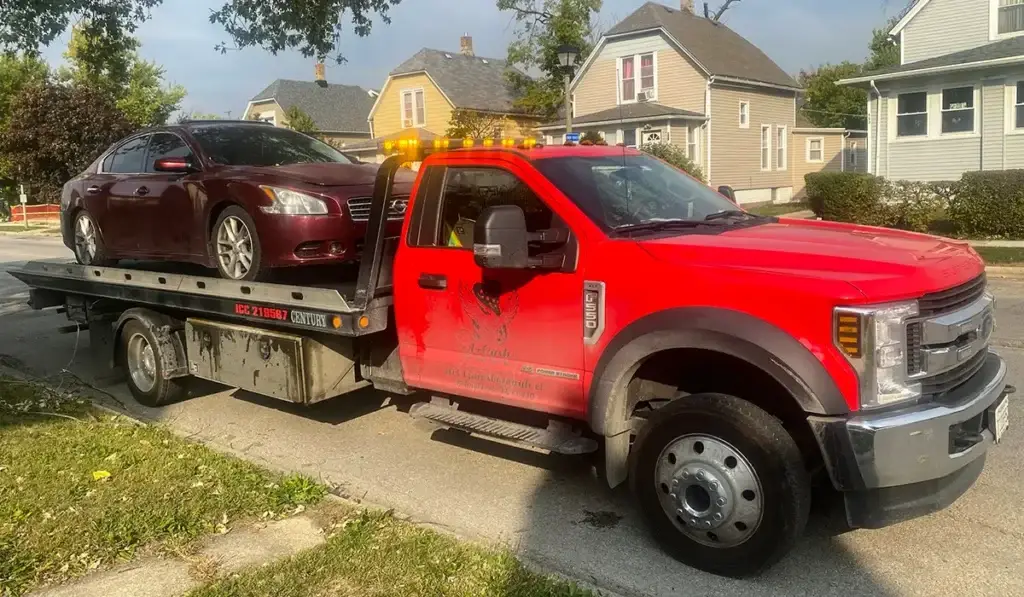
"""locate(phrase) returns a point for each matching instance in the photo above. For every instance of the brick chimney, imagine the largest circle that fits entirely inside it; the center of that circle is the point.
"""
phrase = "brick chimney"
(318, 74)
(686, 6)
(466, 45)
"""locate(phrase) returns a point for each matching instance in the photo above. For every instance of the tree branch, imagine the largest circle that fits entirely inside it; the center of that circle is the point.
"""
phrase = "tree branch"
(721, 10)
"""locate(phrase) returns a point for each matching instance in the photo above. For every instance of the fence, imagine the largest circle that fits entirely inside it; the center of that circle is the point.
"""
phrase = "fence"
(35, 213)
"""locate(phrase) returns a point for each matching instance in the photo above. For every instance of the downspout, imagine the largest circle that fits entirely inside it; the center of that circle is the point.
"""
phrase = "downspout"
(846, 143)
(878, 126)
(707, 124)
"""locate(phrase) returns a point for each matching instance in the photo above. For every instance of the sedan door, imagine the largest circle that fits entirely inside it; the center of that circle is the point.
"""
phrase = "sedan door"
(124, 228)
(168, 207)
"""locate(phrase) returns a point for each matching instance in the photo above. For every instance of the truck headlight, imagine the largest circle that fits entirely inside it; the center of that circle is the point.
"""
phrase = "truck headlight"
(292, 203)
(874, 340)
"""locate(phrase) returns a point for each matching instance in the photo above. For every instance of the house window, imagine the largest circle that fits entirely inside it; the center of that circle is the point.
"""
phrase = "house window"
(815, 150)
(413, 111)
(744, 115)
(958, 110)
(1018, 105)
(637, 74)
(651, 136)
(766, 147)
(693, 144)
(1011, 16)
(781, 147)
(912, 114)
(629, 137)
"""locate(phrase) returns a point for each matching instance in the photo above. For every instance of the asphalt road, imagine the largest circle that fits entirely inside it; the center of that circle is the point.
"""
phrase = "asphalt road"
(553, 510)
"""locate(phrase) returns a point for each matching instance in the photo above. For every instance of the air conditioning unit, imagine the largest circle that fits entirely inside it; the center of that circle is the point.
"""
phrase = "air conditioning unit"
(646, 95)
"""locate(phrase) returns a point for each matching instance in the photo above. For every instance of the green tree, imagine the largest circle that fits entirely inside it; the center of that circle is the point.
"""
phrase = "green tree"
(541, 27)
(16, 72)
(300, 121)
(185, 116)
(56, 130)
(314, 27)
(884, 50)
(470, 123)
(675, 156)
(829, 105)
(591, 136)
(135, 84)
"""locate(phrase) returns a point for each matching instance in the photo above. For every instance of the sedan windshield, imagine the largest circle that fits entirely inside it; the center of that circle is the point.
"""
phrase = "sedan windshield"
(626, 191)
(263, 146)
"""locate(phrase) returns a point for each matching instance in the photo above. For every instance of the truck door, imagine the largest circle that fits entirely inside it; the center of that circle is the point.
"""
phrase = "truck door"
(509, 336)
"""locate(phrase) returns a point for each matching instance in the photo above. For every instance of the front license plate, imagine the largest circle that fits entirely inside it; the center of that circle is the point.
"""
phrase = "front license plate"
(1001, 419)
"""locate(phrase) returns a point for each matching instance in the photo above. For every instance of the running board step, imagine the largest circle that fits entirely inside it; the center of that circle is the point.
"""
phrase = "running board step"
(558, 437)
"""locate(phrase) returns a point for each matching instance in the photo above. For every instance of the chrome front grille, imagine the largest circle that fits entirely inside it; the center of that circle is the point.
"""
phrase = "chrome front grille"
(359, 208)
(947, 343)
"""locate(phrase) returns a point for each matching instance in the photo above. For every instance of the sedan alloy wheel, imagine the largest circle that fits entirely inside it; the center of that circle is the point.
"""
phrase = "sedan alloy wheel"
(234, 247)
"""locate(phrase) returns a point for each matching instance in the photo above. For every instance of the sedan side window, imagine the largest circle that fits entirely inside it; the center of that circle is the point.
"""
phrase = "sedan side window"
(166, 145)
(129, 157)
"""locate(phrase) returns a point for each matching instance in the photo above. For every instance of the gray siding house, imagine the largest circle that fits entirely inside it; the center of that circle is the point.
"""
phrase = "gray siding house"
(956, 102)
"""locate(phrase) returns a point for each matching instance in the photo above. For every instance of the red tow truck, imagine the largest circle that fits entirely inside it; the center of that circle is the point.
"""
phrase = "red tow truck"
(604, 302)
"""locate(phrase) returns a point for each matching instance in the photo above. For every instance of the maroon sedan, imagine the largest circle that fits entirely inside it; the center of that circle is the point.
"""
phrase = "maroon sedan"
(243, 197)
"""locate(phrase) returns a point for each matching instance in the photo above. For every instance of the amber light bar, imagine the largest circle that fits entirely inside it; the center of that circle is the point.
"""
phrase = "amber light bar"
(415, 150)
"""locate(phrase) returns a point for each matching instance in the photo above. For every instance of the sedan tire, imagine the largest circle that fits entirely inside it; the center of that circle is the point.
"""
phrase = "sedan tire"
(88, 242)
(235, 246)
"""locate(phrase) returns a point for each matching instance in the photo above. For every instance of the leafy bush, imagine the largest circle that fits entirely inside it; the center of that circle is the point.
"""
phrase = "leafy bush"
(675, 156)
(873, 201)
(592, 136)
(989, 204)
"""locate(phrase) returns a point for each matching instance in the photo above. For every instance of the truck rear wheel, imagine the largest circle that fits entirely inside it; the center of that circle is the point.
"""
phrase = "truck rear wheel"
(140, 354)
(721, 483)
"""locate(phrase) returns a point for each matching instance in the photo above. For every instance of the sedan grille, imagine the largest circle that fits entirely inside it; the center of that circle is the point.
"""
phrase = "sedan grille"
(359, 208)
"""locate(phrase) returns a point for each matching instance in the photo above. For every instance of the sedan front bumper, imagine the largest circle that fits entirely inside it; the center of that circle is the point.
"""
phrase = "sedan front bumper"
(901, 464)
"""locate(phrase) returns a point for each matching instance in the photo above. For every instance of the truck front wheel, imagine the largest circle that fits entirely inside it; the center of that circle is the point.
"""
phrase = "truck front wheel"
(140, 354)
(721, 483)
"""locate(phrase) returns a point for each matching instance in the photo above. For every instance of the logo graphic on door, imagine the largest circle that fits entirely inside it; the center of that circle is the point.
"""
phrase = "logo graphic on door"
(489, 312)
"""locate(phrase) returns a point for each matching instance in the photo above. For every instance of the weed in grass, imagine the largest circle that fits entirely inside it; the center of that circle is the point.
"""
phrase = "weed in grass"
(79, 491)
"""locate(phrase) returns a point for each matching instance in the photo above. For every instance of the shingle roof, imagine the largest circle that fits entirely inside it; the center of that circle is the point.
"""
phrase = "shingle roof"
(720, 50)
(628, 112)
(334, 108)
(469, 81)
(1007, 48)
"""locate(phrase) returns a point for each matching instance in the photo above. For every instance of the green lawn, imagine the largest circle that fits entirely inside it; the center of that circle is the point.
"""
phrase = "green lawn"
(375, 554)
(19, 227)
(1001, 255)
(778, 209)
(80, 489)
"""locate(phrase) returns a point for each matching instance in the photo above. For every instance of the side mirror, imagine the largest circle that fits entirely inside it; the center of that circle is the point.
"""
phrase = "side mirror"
(500, 240)
(174, 165)
(727, 192)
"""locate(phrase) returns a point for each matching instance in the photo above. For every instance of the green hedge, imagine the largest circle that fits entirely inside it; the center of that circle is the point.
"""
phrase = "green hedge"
(989, 204)
(675, 156)
(860, 198)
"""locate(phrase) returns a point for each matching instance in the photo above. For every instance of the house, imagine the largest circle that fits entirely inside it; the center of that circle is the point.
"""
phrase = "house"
(955, 103)
(420, 96)
(667, 74)
(817, 149)
(339, 111)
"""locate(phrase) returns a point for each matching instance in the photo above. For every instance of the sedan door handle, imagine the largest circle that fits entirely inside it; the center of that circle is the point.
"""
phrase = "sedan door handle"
(433, 281)
(93, 190)
(142, 191)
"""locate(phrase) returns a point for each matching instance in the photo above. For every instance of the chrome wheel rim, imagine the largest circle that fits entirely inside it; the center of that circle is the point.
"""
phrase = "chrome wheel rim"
(234, 248)
(141, 363)
(709, 490)
(85, 239)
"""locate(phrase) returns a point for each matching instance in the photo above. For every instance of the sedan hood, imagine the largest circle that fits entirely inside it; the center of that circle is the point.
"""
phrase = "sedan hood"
(882, 264)
(332, 175)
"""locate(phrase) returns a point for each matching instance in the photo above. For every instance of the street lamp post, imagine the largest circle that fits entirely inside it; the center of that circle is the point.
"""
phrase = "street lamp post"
(567, 59)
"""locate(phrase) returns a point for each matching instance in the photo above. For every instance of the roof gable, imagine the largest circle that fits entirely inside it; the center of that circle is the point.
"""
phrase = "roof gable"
(715, 48)
(471, 82)
(333, 107)
(909, 13)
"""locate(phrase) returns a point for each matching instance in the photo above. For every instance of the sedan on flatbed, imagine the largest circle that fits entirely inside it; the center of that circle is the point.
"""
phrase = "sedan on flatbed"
(241, 197)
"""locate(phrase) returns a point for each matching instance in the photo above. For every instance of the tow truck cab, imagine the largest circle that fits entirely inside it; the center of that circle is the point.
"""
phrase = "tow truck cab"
(718, 360)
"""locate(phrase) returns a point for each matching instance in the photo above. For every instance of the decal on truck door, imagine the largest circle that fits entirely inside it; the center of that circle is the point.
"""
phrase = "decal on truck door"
(489, 313)
(593, 312)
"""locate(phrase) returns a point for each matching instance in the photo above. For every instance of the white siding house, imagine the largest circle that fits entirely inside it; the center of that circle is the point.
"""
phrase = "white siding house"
(956, 103)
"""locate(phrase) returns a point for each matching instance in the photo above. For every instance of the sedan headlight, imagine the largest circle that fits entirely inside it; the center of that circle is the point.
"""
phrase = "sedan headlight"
(874, 340)
(292, 203)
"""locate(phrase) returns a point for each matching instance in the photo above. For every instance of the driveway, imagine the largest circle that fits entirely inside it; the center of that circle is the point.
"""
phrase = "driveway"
(554, 510)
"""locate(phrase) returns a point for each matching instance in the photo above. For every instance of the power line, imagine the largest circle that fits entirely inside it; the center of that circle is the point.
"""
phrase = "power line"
(833, 113)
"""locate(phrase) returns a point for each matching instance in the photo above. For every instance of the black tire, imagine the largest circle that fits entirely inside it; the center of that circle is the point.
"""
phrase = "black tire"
(98, 254)
(163, 391)
(256, 270)
(771, 453)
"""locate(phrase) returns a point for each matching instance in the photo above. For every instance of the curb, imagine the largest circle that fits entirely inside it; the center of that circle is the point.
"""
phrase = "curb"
(1009, 272)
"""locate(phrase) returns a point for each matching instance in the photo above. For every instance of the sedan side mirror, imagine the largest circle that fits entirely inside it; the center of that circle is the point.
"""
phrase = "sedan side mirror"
(500, 240)
(174, 165)
(727, 192)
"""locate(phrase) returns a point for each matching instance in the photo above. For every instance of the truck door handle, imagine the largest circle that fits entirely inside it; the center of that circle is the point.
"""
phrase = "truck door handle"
(433, 281)
(93, 190)
(141, 191)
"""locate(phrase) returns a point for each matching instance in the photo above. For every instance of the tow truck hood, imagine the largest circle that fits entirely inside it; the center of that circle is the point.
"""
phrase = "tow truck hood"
(333, 175)
(882, 264)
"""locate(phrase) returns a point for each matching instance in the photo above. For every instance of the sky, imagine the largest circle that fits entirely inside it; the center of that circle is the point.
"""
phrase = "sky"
(797, 34)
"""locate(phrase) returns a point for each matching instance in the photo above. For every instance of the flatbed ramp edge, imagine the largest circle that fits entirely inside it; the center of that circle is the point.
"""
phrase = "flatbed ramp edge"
(299, 307)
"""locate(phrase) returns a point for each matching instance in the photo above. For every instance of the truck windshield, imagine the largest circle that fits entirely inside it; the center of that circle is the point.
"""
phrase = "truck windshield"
(629, 190)
(263, 146)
